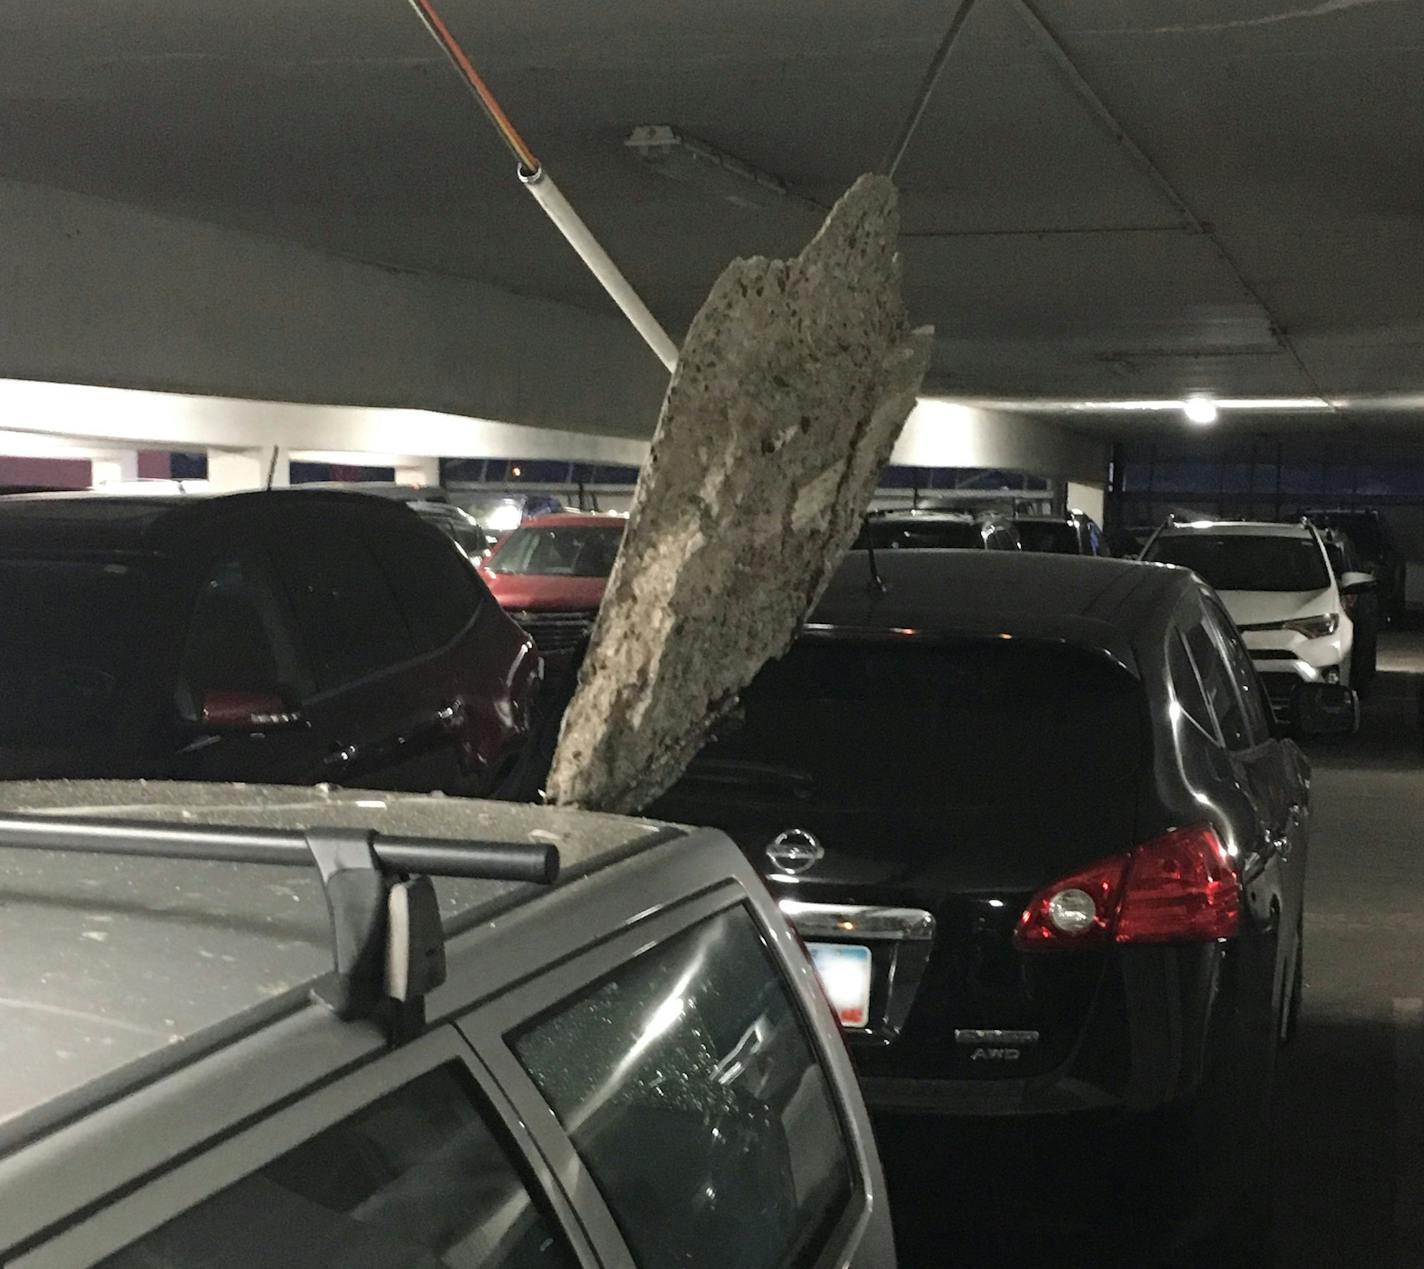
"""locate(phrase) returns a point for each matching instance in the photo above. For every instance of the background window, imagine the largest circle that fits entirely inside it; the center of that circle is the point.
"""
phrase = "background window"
(415, 1180)
(697, 1104)
(1220, 691)
(1186, 686)
(1255, 708)
(437, 587)
(350, 621)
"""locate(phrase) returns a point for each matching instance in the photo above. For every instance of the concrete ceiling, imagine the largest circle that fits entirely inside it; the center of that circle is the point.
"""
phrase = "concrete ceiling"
(1104, 199)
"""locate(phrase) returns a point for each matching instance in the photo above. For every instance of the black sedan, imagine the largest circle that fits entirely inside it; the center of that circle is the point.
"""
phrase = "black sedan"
(280, 637)
(1034, 820)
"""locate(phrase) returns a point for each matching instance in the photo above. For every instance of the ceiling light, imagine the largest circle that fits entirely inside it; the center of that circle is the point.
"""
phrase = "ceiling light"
(1201, 410)
(705, 167)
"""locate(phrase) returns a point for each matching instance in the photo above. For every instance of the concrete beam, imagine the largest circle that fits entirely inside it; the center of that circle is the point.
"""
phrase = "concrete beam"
(99, 292)
(88, 415)
(944, 433)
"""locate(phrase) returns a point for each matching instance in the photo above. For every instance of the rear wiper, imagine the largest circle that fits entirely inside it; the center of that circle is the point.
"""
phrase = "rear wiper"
(743, 773)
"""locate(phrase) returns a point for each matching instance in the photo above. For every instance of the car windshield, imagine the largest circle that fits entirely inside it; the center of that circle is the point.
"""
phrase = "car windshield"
(71, 633)
(894, 535)
(953, 726)
(571, 550)
(1245, 561)
(1055, 537)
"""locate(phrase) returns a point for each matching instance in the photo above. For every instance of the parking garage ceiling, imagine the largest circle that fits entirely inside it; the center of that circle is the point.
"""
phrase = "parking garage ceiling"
(1103, 200)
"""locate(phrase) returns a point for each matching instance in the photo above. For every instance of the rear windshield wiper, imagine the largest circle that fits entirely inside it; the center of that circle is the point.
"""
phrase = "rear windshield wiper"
(744, 774)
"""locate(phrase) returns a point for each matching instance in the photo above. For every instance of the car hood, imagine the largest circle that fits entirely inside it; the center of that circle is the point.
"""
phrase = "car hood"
(1253, 607)
(520, 591)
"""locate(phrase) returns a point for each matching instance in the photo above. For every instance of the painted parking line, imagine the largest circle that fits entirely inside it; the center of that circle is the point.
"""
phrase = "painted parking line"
(1409, 1131)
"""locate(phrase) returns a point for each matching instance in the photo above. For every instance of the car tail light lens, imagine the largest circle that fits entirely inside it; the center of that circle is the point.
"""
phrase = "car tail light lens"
(1178, 888)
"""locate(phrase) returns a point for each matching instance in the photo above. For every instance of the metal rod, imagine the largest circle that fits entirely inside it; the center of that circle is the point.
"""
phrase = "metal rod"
(486, 861)
(443, 36)
(541, 185)
(927, 87)
(548, 195)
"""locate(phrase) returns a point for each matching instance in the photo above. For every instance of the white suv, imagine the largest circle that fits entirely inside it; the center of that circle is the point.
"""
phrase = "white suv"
(1278, 586)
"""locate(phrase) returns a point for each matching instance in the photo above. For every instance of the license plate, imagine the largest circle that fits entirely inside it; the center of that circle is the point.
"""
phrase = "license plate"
(845, 974)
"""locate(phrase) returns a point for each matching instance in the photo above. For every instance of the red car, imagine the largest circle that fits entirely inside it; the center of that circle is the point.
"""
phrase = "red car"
(550, 574)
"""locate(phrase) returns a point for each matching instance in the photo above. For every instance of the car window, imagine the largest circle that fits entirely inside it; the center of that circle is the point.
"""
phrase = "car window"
(415, 1180)
(891, 535)
(237, 640)
(1220, 690)
(569, 550)
(438, 589)
(697, 1104)
(1254, 705)
(1057, 537)
(350, 620)
(1186, 687)
(1244, 561)
(71, 640)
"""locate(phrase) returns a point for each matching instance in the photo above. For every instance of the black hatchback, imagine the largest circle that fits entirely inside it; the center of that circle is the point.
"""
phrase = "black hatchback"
(1032, 818)
(287, 636)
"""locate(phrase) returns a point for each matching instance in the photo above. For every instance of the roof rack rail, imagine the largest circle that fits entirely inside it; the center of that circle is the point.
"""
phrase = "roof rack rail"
(388, 945)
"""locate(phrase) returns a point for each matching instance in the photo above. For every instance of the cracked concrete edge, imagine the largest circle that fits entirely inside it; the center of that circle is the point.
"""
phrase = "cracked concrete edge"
(795, 380)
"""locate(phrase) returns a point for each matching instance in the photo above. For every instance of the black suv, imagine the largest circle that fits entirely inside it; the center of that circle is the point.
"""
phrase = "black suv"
(1034, 820)
(282, 636)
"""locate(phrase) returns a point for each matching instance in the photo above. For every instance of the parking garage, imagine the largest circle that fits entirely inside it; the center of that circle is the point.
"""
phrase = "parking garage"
(1017, 556)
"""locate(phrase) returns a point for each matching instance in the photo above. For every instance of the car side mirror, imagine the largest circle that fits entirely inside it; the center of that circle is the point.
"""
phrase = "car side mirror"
(1356, 583)
(1324, 709)
(222, 710)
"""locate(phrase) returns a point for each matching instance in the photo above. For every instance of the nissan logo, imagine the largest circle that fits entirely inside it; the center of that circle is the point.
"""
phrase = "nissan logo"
(795, 851)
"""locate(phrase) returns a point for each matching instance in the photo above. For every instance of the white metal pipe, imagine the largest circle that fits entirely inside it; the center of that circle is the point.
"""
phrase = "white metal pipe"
(551, 199)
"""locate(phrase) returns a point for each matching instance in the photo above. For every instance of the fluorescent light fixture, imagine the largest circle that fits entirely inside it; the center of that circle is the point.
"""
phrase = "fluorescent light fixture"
(712, 170)
(1200, 410)
(1046, 405)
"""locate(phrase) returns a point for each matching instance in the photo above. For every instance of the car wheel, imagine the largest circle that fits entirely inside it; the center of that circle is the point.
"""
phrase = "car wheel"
(1290, 1007)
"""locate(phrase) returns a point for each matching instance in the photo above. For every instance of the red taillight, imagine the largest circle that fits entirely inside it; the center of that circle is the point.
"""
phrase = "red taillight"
(1182, 889)
(1178, 888)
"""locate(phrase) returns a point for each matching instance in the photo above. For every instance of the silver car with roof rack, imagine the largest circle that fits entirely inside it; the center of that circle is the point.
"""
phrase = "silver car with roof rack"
(243, 1025)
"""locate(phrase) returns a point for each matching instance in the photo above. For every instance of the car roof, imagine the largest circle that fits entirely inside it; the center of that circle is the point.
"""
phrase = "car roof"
(88, 521)
(923, 513)
(568, 519)
(1095, 605)
(114, 962)
(1242, 528)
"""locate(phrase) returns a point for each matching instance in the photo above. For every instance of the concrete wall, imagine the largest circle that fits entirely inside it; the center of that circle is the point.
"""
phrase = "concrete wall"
(98, 292)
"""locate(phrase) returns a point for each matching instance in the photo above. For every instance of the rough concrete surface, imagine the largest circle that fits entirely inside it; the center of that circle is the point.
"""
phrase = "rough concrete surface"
(792, 386)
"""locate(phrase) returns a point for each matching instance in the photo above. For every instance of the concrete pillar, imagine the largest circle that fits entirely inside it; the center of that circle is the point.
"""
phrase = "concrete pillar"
(234, 469)
(109, 467)
(417, 471)
(1089, 498)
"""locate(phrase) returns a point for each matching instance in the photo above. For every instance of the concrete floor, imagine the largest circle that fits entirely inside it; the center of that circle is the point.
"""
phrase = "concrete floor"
(1350, 1103)
(1348, 1186)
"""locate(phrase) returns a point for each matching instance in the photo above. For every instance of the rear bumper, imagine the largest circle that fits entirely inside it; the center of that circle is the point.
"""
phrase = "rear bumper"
(985, 1099)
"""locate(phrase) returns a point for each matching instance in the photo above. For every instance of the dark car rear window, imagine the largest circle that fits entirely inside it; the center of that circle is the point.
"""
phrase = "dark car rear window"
(935, 727)
(925, 535)
(68, 643)
(574, 550)
(1058, 538)
(1242, 561)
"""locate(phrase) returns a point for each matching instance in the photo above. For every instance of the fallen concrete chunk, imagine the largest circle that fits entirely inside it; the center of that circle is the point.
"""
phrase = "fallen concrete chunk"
(792, 386)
